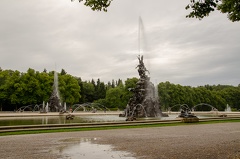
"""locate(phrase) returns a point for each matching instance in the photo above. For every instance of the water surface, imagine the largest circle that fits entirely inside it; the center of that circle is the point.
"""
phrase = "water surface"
(86, 149)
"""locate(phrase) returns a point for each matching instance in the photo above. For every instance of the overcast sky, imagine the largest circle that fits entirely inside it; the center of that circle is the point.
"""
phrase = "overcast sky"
(41, 34)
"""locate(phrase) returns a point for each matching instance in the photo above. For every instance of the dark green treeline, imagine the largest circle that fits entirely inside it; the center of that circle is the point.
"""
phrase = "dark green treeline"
(33, 87)
(217, 96)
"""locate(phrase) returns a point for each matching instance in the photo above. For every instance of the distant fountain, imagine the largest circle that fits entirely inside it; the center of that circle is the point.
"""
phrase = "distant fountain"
(31, 107)
(89, 107)
(204, 104)
(186, 116)
(46, 108)
(65, 107)
(228, 108)
(43, 106)
(54, 103)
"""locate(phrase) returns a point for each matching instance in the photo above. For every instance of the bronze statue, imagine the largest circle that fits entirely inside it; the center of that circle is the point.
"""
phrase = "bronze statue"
(144, 102)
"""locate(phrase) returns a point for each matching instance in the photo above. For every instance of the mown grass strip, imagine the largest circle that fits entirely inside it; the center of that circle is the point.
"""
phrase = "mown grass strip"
(21, 132)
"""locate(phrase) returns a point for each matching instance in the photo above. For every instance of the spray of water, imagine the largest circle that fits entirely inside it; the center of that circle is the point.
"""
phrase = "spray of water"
(142, 43)
(55, 85)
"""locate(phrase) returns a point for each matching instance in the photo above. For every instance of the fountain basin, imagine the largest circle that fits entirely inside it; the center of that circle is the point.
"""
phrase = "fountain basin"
(36, 118)
(189, 119)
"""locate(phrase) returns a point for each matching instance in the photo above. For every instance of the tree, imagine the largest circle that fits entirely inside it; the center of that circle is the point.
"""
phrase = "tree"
(202, 8)
(131, 83)
(45, 70)
(88, 92)
(164, 95)
(114, 97)
(63, 72)
(100, 90)
(12, 89)
(232, 97)
(4, 76)
(46, 82)
(119, 83)
(113, 84)
(69, 89)
(28, 88)
(97, 5)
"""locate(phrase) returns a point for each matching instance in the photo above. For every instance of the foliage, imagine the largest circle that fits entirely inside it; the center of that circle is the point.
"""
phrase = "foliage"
(103, 102)
(33, 87)
(100, 90)
(131, 83)
(97, 5)
(87, 92)
(69, 88)
(202, 8)
(63, 72)
(90, 91)
(119, 95)
(218, 96)
(18, 89)
(114, 97)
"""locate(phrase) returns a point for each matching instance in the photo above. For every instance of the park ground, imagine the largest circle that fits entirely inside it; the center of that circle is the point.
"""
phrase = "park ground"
(202, 141)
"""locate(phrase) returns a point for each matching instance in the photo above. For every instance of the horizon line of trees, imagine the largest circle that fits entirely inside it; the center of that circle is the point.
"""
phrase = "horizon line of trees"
(19, 89)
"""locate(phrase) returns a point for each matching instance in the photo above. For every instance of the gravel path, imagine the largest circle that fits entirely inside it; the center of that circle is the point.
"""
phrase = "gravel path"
(207, 141)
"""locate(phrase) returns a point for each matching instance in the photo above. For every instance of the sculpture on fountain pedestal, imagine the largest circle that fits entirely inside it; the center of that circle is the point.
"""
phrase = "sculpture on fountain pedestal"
(144, 102)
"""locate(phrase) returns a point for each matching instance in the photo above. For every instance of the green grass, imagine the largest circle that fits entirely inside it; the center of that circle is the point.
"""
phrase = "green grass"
(113, 127)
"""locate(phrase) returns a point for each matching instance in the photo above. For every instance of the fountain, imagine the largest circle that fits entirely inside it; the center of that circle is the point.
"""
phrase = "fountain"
(144, 102)
(54, 100)
(186, 116)
(89, 107)
(228, 108)
(30, 107)
(205, 104)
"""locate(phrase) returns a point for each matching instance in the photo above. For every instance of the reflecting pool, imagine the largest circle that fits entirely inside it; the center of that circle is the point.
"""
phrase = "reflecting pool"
(44, 120)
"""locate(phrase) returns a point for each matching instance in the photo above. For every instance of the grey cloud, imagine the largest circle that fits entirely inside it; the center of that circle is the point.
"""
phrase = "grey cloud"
(87, 44)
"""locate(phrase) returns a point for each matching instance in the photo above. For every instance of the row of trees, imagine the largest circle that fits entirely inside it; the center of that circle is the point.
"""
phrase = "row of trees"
(33, 87)
(172, 96)
(217, 96)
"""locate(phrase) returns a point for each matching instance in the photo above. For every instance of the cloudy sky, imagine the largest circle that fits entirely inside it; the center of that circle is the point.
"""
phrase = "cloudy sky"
(63, 34)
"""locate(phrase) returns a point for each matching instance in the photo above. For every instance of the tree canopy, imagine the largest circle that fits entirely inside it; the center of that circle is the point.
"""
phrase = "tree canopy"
(202, 8)
(199, 8)
(97, 5)
(33, 87)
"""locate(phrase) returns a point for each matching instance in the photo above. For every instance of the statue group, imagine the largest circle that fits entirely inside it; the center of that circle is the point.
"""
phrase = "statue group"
(144, 102)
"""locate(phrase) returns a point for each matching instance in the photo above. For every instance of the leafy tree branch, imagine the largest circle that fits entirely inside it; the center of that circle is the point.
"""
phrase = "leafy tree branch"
(199, 8)
(97, 5)
(202, 8)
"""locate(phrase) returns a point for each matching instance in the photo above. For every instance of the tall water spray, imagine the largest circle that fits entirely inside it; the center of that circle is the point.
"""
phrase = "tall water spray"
(143, 103)
(140, 35)
(55, 84)
(54, 100)
(143, 50)
(143, 43)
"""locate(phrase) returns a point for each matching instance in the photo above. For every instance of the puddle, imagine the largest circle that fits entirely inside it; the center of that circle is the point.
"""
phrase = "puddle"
(85, 149)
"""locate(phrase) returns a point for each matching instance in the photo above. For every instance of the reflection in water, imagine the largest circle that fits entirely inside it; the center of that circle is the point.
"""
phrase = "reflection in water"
(85, 149)
(44, 120)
